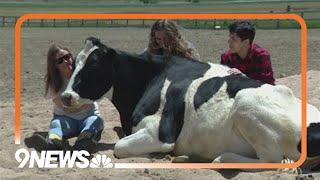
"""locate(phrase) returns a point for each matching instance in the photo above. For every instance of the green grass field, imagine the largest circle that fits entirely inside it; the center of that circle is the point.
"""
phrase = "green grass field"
(310, 9)
(205, 6)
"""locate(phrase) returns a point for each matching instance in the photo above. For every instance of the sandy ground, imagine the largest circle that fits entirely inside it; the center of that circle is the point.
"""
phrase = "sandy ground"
(36, 110)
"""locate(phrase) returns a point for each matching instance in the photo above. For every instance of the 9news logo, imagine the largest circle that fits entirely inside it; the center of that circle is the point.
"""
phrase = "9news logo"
(49, 159)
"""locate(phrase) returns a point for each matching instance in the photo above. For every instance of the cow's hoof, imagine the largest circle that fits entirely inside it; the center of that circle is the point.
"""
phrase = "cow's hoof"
(290, 170)
(217, 160)
(305, 177)
(181, 159)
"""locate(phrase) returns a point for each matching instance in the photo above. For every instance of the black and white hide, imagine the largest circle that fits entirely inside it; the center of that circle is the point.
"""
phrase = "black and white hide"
(173, 104)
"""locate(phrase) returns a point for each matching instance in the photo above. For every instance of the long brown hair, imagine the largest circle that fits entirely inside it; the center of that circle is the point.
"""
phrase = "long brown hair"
(177, 45)
(53, 79)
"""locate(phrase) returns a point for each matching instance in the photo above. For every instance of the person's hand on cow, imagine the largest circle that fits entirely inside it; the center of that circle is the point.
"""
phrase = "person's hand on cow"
(234, 71)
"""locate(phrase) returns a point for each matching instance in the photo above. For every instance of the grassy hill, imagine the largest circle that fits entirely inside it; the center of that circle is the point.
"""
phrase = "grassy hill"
(18, 7)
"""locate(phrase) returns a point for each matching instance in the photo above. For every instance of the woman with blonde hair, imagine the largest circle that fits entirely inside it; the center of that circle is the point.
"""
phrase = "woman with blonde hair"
(166, 39)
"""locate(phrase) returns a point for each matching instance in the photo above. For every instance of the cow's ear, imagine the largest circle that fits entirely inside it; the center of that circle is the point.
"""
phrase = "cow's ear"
(109, 51)
(74, 64)
(95, 41)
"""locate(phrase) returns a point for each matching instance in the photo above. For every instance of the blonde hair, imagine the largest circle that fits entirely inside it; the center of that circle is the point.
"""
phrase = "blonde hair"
(177, 46)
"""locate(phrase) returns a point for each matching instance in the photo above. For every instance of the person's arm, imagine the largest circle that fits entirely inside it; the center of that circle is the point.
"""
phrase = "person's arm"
(195, 54)
(263, 70)
(57, 100)
(144, 50)
(223, 59)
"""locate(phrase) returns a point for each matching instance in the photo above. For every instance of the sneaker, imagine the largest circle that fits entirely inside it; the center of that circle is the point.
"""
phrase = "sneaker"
(42, 143)
(39, 142)
(85, 141)
(56, 144)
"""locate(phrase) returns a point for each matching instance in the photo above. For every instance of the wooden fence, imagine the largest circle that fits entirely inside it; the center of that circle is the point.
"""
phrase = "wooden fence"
(9, 21)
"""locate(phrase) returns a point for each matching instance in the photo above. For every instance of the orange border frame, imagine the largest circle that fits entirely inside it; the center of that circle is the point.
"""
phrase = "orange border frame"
(295, 17)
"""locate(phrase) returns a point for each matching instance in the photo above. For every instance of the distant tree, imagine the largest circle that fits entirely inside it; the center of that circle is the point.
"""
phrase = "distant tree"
(195, 1)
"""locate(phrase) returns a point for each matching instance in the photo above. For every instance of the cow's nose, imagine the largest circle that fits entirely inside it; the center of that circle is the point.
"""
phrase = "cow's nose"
(66, 99)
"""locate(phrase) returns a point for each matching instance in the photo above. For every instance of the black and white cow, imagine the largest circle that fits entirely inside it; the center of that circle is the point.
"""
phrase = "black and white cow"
(191, 108)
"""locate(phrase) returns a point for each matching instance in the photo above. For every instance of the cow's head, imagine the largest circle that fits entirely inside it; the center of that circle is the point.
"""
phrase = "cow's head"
(93, 74)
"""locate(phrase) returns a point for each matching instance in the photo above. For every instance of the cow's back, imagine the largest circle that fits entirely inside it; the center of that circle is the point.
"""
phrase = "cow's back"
(208, 104)
(218, 116)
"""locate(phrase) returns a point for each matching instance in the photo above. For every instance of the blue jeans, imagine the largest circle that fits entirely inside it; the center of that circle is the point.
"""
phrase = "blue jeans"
(66, 127)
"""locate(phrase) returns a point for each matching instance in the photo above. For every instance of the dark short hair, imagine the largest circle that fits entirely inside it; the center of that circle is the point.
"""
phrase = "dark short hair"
(243, 29)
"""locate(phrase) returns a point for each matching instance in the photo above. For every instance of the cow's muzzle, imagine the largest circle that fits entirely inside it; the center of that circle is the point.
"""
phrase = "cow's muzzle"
(68, 99)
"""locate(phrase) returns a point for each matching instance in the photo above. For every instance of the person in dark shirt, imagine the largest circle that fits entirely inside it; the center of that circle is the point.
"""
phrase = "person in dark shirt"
(246, 57)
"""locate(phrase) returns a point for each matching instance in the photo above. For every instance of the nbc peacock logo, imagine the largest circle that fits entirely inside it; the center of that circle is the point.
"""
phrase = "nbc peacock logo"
(101, 161)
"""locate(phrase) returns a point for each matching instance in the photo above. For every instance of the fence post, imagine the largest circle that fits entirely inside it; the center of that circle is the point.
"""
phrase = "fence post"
(3, 21)
(82, 22)
(28, 22)
(41, 24)
(127, 22)
(54, 22)
(278, 24)
(97, 23)
(142, 22)
(68, 21)
(301, 13)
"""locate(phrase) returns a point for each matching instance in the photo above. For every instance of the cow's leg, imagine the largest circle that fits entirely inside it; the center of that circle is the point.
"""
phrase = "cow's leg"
(139, 143)
(260, 127)
(263, 118)
(125, 125)
(260, 136)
